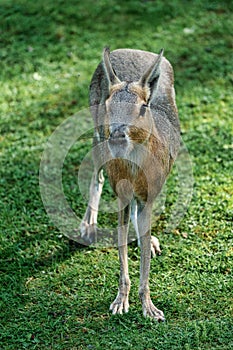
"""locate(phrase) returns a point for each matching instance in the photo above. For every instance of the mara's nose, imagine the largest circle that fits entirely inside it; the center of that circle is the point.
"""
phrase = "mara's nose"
(118, 131)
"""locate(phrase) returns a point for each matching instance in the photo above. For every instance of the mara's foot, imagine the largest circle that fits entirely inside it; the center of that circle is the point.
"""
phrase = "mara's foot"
(120, 304)
(88, 232)
(149, 310)
(155, 247)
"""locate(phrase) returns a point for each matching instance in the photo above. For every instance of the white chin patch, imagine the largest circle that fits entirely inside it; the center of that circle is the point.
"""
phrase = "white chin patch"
(119, 148)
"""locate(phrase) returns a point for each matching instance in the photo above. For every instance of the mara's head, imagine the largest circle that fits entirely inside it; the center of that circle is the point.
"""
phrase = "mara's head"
(128, 119)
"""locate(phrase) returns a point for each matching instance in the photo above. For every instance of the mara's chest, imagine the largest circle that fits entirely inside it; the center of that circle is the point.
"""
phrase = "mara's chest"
(129, 180)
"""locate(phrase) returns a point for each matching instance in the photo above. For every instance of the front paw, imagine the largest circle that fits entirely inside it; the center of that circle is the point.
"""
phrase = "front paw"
(88, 232)
(120, 304)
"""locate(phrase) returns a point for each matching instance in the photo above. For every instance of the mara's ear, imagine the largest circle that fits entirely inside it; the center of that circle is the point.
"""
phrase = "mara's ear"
(109, 71)
(151, 76)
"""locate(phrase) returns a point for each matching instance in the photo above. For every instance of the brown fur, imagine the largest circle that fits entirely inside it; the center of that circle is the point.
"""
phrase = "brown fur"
(142, 92)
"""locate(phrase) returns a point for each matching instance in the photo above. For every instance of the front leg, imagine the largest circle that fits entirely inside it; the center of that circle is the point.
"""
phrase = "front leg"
(121, 303)
(144, 222)
(88, 225)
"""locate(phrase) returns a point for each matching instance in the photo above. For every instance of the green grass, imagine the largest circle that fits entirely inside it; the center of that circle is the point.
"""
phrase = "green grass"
(55, 294)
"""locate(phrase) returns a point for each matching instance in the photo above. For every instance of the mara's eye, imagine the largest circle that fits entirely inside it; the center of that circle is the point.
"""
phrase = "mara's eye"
(143, 110)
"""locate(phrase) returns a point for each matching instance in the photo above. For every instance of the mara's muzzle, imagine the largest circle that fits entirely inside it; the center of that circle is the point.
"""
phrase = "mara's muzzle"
(118, 140)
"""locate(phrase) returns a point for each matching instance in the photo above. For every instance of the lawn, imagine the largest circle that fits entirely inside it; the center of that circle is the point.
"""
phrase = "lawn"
(54, 292)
